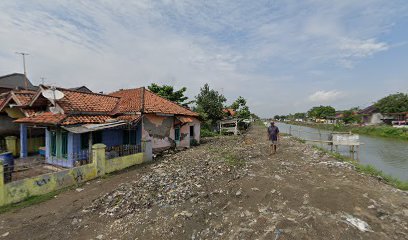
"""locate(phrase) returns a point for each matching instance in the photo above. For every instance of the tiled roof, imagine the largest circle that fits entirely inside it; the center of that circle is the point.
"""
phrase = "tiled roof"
(131, 100)
(24, 96)
(75, 101)
(229, 111)
(129, 118)
(83, 119)
(42, 118)
(54, 119)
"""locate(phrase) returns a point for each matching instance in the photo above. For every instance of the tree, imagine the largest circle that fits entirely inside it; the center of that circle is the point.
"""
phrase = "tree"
(169, 93)
(322, 112)
(393, 103)
(351, 116)
(241, 108)
(299, 116)
(209, 104)
(276, 117)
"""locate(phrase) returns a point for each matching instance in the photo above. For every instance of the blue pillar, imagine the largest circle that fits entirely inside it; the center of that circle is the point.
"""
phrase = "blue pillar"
(23, 141)
(47, 144)
(70, 148)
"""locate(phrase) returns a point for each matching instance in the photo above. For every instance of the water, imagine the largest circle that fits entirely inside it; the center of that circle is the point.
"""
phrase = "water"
(387, 155)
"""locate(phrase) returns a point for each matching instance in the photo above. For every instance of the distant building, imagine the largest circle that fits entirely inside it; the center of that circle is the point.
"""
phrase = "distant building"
(371, 115)
(15, 81)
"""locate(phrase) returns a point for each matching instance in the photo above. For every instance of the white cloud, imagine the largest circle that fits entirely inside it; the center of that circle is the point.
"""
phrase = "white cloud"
(240, 47)
(326, 96)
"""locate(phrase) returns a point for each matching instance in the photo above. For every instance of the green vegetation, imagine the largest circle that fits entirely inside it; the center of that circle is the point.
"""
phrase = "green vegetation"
(393, 103)
(169, 93)
(210, 104)
(368, 169)
(233, 160)
(241, 108)
(322, 112)
(207, 133)
(31, 201)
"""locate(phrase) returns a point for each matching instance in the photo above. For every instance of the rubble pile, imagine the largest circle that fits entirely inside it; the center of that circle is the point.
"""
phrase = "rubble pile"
(175, 179)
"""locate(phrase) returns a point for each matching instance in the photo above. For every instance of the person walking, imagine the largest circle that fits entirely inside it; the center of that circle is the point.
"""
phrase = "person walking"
(273, 135)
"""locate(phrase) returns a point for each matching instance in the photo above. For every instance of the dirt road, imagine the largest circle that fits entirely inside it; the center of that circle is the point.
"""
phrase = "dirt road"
(226, 188)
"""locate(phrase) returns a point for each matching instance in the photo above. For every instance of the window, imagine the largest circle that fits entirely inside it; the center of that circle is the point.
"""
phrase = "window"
(58, 143)
(64, 144)
(84, 141)
(129, 137)
(192, 131)
(96, 137)
(177, 134)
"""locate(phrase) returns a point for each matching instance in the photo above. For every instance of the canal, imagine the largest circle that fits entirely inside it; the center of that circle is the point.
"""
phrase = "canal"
(387, 155)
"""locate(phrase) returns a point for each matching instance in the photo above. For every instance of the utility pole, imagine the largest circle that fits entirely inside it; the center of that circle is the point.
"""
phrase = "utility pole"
(24, 65)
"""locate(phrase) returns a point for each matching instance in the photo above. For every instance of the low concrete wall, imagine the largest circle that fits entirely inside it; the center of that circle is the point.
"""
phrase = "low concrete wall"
(17, 191)
(119, 163)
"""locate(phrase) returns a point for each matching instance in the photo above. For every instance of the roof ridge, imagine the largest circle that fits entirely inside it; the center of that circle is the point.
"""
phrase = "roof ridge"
(77, 91)
(171, 101)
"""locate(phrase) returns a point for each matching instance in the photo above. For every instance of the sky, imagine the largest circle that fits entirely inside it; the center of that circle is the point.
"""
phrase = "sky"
(283, 56)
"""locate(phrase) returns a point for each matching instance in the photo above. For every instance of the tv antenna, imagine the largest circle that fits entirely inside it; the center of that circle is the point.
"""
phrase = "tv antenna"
(25, 70)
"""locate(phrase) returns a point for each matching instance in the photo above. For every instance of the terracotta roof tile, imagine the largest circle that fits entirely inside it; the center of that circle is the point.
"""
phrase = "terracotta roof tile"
(75, 101)
(24, 96)
(131, 101)
(84, 119)
(129, 118)
(42, 118)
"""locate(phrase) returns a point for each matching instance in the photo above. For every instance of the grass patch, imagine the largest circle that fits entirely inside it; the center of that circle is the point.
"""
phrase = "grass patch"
(30, 201)
(368, 169)
(207, 133)
(232, 160)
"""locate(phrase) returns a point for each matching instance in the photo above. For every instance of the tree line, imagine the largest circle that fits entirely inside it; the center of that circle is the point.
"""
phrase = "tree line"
(393, 103)
(209, 103)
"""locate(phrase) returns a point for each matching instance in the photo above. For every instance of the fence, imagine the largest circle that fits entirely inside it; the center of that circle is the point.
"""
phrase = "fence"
(122, 150)
(19, 190)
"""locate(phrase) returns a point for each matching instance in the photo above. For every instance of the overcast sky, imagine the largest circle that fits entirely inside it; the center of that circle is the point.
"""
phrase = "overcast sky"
(283, 56)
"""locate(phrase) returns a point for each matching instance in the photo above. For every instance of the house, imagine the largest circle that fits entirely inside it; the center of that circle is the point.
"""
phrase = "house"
(82, 89)
(122, 121)
(229, 112)
(400, 119)
(13, 105)
(371, 115)
(71, 125)
(164, 122)
(15, 81)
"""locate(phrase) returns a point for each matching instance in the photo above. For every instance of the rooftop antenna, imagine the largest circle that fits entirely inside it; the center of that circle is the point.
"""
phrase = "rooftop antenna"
(25, 70)
(42, 80)
(53, 94)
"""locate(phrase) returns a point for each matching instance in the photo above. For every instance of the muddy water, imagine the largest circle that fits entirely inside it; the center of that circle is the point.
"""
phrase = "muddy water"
(388, 155)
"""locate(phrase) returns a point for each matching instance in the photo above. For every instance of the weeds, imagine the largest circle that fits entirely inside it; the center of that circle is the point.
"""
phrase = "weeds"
(232, 160)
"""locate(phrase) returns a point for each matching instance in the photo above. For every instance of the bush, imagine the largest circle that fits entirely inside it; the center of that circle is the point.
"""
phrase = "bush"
(207, 133)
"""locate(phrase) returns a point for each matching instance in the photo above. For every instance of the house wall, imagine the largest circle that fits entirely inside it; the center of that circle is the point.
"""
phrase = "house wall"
(8, 127)
(160, 130)
(376, 118)
(112, 137)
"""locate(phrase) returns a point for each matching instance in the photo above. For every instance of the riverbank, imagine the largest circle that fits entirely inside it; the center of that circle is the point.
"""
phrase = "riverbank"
(376, 131)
